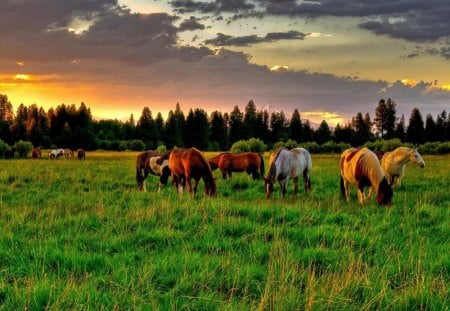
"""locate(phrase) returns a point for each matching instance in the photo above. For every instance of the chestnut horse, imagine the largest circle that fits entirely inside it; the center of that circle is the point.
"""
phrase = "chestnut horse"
(250, 162)
(36, 153)
(361, 167)
(285, 164)
(155, 163)
(190, 163)
(214, 161)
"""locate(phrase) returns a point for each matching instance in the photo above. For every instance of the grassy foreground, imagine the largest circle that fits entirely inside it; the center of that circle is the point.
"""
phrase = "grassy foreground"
(78, 235)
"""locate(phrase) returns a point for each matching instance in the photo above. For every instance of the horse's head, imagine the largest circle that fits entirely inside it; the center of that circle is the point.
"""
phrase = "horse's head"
(211, 188)
(268, 187)
(384, 194)
(417, 158)
(165, 173)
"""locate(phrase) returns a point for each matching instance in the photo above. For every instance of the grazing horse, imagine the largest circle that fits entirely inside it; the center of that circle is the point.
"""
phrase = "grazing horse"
(394, 162)
(36, 153)
(285, 164)
(190, 163)
(81, 154)
(361, 167)
(68, 153)
(214, 161)
(250, 162)
(155, 163)
(56, 153)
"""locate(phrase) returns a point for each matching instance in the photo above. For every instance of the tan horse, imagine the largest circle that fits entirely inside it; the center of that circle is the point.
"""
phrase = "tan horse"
(360, 167)
(394, 163)
(68, 153)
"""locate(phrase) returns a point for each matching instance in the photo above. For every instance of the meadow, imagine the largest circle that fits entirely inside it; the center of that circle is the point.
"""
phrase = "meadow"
(79, 235)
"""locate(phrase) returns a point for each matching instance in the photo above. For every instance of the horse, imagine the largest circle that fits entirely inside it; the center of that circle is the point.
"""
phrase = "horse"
(36, 153)
(56, 153)
(190, 163)
(214, 161)
(81, 154)
(394, 162)
(155, 163)
(250, 162)
(68, 153)
(361, 167)
(285, 164)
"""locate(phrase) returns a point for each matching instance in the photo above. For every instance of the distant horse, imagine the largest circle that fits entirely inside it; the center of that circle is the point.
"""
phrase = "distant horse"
(68, 153)
(36, 153)
(190, 163)
(250, 162)
(81, 154)
(56, 153)
(394, 162)
(155, 163)
(360, 166)
(285, 164)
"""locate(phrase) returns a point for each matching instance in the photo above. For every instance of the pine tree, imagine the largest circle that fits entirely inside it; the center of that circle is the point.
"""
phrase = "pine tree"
(250, 120)
(146, 129)
(323, 133)
(385, 118)
(415, 131)
(400, 131)
(236, 125)
(219, 130)
(295, 127)
(430, 133)
(6, 120)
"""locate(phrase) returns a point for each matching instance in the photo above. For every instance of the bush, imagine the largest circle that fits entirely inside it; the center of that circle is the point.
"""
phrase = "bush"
(23, 148)
(311, 146)
(137, 145)
(123, 145)
(5, 149)
(253, 144)
(161, 148)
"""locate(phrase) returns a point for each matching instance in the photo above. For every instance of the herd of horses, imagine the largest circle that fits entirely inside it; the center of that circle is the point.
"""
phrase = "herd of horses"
(59, 153)
(360, 167)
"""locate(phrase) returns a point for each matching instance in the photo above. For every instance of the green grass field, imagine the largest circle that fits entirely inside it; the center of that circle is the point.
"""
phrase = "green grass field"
(79, 236)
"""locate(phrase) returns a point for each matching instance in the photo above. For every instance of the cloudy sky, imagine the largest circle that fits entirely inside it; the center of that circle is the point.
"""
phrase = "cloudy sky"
(328, 58)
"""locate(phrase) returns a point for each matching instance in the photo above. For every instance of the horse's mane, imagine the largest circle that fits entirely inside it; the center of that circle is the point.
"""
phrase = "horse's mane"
(163, 157)
(272, 169)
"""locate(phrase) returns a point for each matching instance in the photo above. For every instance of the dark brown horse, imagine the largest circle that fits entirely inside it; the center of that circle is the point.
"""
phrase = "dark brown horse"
(36, 153)
(81, 154)
(250, 162)
(155, 163)
(190, 163)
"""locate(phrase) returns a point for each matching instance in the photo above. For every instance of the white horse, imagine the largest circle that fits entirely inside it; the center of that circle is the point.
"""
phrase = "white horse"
(394, 162)
(285, 164)
(361, 167)
(56, 153)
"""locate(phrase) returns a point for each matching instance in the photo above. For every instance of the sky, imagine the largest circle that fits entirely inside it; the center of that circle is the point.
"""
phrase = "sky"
(328, 58)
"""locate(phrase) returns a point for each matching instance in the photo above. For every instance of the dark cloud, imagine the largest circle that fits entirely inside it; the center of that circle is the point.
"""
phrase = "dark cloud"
(411, 20)
(191, 24)
(226, 40)
(216, 7)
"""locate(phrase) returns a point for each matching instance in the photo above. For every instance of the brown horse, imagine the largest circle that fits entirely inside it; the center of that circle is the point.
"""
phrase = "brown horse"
(250, 162)
(81, 154)
(36, 153)
(190, 163)
(361, 167)
(155, 163)
(214, 161)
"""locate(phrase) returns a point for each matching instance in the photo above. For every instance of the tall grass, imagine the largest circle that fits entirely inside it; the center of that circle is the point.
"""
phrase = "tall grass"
(78, 235)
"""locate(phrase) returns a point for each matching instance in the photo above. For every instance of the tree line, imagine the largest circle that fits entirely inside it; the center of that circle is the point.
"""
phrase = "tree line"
(68, 126)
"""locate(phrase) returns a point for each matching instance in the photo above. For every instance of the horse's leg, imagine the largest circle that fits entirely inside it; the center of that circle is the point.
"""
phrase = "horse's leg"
(295, 180)
(224, 173)
(189, 185)
(369, 194)
(283, 184)
(196, 180)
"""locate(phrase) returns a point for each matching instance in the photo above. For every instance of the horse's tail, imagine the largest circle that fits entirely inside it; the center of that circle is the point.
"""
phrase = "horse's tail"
(261, 165)
(139, 177)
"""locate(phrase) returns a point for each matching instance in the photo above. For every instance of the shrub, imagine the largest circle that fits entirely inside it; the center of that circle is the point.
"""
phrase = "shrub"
(253, 144)
(137, 145)
(161, 148)
(311, 146)
(123, 145)
(5, 149)
(23, 148)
